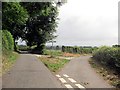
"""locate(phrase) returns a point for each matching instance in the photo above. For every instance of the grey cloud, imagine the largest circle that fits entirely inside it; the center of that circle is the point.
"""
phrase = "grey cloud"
(75, 31)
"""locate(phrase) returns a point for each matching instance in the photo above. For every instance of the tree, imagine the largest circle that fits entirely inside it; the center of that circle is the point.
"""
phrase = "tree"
(63, 49)
(34, 22)
(14, 17)
(57, 47)
(41, 24)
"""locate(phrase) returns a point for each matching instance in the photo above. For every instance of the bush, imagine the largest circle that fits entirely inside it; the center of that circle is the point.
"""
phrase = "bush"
(7, 41)
(4, 42)
(53, 52)
(79, 50)
(39, 49)
(23, 47)
(63, 48)
(109, 56)
(0, 42)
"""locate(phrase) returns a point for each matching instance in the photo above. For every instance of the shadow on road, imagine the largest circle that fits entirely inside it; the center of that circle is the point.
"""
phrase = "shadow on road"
(28, 52)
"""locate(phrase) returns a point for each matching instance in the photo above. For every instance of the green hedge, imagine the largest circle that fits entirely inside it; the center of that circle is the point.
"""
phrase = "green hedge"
(109, 56)
(0, 42)
(7, 41)
(79, 50)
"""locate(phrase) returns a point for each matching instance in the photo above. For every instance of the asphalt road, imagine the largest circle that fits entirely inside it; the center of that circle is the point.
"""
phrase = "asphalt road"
(80, 72)
(28, 72)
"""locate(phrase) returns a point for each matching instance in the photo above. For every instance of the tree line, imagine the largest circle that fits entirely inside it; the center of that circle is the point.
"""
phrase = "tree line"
(79, 50)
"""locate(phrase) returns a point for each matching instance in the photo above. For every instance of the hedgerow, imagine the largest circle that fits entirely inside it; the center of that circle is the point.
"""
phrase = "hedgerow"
(7, 41)
(109, 56)
(79, 50)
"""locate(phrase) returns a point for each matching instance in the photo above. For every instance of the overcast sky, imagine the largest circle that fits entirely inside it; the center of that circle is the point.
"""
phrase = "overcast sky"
(88, 22)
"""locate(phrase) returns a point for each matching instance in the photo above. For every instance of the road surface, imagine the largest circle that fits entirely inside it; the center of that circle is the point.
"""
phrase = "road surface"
(29, 72)
(79, 73)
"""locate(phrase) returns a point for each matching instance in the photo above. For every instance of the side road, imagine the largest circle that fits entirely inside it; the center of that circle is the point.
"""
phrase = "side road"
(80, 70)
(28, 72)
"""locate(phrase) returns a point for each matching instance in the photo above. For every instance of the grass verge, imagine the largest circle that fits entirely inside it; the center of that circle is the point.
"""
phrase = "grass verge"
(8, 61)
(108, 74)
(53, 64)
(53, 52)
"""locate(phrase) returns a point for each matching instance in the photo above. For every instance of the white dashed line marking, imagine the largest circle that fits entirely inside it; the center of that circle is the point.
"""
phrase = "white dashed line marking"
(65, 75)
(62, 80)
(79, 86)
(72, 80)
(58, 76)
(68, 86)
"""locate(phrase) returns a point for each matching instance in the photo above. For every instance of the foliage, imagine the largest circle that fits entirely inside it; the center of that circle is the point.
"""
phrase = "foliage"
(7, 60)
(80, 50)
(41, 24)
(7, 41)
(57, 47)
(108, 74)
(34, 22)
(54, 64)
(23, 48)
(10, 40)
(109, 56)
(116, 46)
(14, 17)
(8, 56)
(39, 49)
(0, 42)
(53, 52)
(4, 42)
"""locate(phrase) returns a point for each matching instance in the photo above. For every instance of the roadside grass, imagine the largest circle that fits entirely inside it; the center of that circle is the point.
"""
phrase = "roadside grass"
(53, 52)
(53, 64)
(0, 65)
(8, 60)
(108, 74)
(54, 60)
(70, 55)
